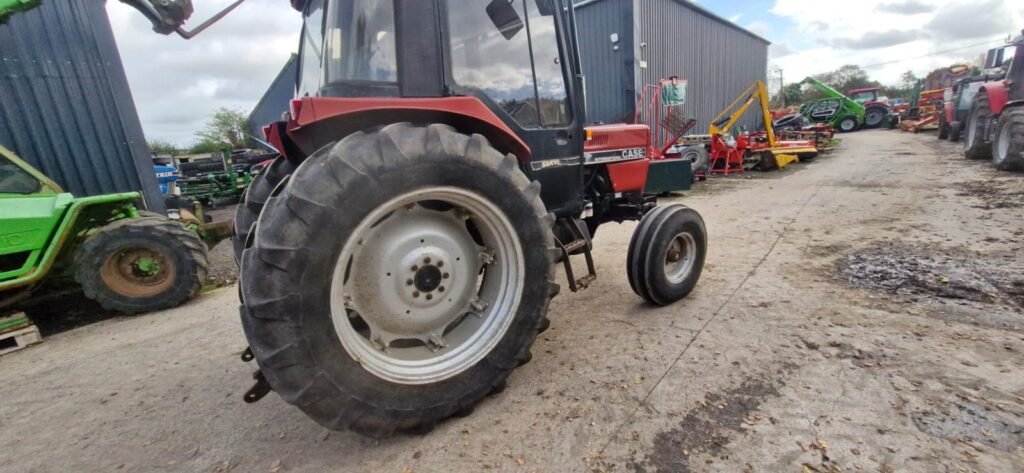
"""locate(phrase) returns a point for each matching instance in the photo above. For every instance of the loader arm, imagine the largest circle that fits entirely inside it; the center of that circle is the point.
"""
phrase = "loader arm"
(167, 16)
(10, 7)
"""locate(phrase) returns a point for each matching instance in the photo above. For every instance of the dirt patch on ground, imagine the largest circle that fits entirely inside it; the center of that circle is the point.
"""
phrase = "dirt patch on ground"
(707, 429)
(969, 422)
(992, 194)
(916, 272)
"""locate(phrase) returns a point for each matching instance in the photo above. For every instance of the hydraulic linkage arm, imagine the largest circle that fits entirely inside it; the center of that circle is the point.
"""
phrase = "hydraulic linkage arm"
(167, 16)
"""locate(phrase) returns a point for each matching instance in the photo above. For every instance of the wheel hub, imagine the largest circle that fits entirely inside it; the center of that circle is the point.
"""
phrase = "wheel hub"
(428, 279)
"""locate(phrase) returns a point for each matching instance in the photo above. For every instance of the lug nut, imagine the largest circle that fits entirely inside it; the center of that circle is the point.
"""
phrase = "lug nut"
(426, 260)
(408, 282)
(415, 268)
(440, 263)
(429, 297)
(445, 275)
(441, 289)
(416, 294)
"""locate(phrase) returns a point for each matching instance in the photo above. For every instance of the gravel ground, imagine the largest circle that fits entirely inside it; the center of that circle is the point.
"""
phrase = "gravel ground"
(822, 338)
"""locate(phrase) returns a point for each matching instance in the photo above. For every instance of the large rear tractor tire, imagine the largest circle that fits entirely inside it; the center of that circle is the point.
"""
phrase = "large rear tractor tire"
(955, 129)
(397, 278)
(874, 116)
(141, 265)
(253, 200)
(943, 126)
(666, 254)
(1008, 149)
(975, 146)
(848, 124)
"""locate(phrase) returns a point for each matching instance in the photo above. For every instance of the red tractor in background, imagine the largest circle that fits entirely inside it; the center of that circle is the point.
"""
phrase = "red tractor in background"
(398, 259)
(876, 108)
(995, 125)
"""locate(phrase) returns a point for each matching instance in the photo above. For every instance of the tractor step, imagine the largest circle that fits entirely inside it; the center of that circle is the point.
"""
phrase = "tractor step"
(580, 242)
(19, 339)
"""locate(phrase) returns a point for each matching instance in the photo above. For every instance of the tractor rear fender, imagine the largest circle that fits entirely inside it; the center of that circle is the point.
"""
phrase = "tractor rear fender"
(78, 218)
(318, 121)
(997, 95)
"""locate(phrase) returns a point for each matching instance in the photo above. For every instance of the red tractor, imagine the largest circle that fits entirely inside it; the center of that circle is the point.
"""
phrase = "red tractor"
(398, 259)
(876, 109)
(995, 125)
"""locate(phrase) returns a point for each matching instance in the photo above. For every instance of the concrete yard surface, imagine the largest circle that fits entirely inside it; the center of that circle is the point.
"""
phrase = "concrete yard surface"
(862, 312)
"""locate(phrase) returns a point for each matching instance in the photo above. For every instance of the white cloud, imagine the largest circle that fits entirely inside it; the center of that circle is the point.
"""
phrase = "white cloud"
(882, 31)
(177, 84)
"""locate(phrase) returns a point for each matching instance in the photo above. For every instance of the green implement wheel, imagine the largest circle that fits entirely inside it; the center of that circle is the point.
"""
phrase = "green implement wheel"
(141, 265)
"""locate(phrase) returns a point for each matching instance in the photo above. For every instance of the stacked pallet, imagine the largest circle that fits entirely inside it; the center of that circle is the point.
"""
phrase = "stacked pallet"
(17, 332)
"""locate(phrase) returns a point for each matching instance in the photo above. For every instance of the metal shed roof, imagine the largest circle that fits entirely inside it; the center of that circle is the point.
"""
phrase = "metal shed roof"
(694, 6)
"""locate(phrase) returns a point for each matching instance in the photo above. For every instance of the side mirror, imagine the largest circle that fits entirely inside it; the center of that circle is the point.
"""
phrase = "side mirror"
(505, 18)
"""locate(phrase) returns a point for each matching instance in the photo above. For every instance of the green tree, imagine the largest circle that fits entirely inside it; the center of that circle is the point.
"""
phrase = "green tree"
(227, 126)
(163, 147)
(791, 94)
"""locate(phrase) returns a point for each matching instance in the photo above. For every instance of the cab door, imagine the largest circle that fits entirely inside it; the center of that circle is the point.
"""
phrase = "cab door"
(510, 54)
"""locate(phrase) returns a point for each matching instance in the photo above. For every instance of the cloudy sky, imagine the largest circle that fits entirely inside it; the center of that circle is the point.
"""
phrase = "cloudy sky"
(177, 83)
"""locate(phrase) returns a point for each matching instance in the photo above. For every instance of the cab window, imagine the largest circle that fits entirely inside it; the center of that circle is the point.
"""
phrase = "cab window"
(360, 40)
(490, 47)
(15, 180)
(311, 50)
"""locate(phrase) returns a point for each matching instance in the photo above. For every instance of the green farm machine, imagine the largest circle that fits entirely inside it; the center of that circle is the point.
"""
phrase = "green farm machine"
(841, 112)
(128, 260)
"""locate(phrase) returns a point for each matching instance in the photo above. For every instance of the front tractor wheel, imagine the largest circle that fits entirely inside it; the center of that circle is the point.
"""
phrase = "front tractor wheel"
(141, 265)
(666, 254)
(397, 278)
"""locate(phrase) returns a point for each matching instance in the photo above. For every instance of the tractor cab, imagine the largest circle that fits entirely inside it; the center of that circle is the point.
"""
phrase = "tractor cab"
(507, 70)
(867, 95)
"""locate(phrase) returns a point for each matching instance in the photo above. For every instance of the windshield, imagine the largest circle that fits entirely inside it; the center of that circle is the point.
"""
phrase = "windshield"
(863, 97)
(349, 41)
(15, 180)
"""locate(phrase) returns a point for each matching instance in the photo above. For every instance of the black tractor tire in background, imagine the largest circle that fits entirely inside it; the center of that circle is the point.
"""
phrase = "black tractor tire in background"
(943, 127)
(698, 156)
(975, 146)
(106, 265)
(955, 129)
(253, 200)
(649, 252)
(287, 272)
(1008, 148)
(848, 124)
(874, 116)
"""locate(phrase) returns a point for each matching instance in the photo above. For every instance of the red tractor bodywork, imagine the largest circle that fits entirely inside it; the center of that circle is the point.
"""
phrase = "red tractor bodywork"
(628, 146)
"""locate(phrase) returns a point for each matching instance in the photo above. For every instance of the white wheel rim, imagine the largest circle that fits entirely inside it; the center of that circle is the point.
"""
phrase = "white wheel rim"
(680, 257)
(1003, 144)
(415, 299)
(972, 129)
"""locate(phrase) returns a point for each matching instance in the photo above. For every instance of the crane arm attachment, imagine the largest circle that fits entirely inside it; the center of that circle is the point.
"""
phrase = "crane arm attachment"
(725, 120)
